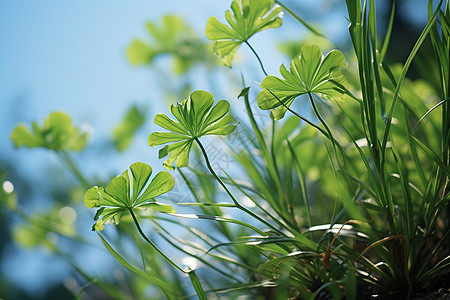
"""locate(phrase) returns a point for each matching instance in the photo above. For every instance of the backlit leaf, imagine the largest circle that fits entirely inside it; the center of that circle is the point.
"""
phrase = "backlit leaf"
(309, 72)
(57, 133)
(244, 20)
(125, 192)
(195, 117)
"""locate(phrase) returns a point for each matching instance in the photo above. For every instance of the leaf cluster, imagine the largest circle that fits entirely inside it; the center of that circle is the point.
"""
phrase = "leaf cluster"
(130, 190)
(244, 20)
(196, 117)
(56, 133)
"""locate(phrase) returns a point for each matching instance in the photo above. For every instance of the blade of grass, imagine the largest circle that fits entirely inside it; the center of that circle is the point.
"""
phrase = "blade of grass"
(197, 285)
(163, 285)
(405, 69)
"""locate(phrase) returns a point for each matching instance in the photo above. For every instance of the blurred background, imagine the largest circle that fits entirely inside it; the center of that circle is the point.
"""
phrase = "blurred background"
(96, 61)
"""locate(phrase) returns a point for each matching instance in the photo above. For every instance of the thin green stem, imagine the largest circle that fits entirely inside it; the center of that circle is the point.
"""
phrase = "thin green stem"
(257, 57)
(329, 135)
(309, 27)
(237, 204)
(65, 158)
(153, 244)
(316, 112)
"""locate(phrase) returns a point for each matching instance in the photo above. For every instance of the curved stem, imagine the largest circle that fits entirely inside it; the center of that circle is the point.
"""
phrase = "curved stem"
(299, 116)
(257, 57)
(152, 244)
(236, 203)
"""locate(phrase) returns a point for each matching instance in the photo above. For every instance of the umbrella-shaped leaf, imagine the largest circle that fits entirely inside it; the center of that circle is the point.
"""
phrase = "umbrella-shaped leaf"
(309, 72)
(197, 116)
(57, 133)
(245, 19)
(125, 192)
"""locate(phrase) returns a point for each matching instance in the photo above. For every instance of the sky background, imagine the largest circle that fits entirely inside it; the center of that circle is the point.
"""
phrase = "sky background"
(71, 56)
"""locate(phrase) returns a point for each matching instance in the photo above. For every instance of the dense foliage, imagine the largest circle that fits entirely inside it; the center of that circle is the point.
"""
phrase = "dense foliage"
(346, 199)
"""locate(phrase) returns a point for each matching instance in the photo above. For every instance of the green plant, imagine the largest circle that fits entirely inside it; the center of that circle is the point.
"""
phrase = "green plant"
(363, 184)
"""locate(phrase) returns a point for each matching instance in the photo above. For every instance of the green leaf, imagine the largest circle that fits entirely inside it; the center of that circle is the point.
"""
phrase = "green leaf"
(158, 138)
(245, 19)
(57, 133)
(162, 183)
(169, 124)
(123, 133)
(126, 192)
(92, 197)
(140, 173)
(161, 207)
(195, 117)
(139, 53)
(171, 37)
(135, 270)
(117, 189)
(309, 72)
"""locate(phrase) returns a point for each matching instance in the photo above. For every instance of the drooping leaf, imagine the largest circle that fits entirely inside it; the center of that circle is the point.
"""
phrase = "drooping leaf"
(57, 133)
(309, 72)
(244, 20)
(126, 192)
(195, 117)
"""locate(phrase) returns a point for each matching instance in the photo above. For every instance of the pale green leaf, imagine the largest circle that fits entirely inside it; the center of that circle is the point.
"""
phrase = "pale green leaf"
(162, 183)
(21, 136)
(245, 19)
(195, 117)
(139, 53)
(309, 72)
(56, 133)
(140, 173)
(124, 131)
(117, 189)
(92, 197)
(161, 207)
(125, 192)
(158, 138)
(169, 124)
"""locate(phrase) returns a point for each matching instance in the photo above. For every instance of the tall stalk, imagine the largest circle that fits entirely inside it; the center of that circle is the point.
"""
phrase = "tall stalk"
(236, 203)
